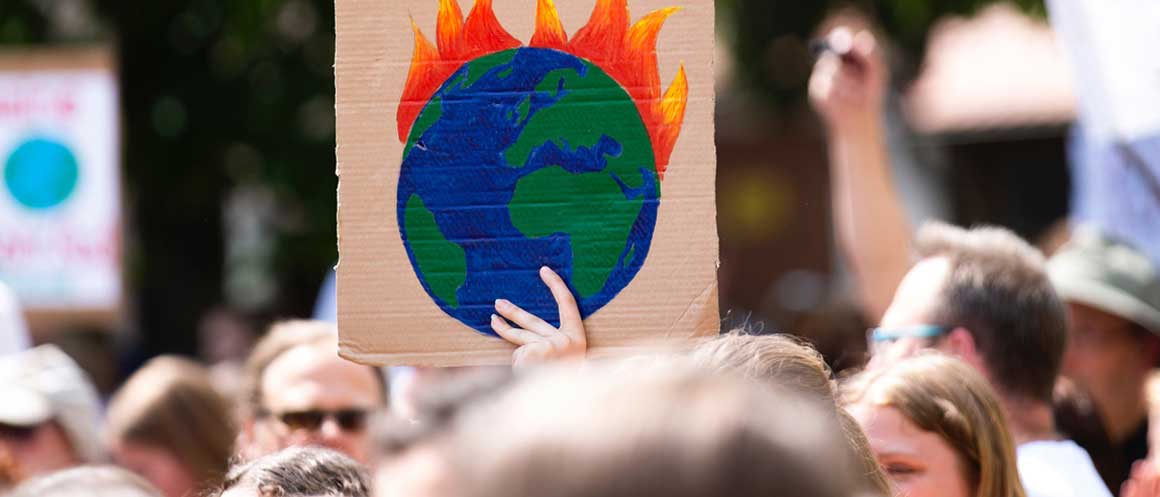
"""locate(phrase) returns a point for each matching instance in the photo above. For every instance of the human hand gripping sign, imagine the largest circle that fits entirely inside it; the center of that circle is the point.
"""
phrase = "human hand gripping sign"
(537, 341)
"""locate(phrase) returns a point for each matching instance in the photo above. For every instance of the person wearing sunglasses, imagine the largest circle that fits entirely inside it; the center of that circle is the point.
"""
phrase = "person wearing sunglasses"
(299, 392)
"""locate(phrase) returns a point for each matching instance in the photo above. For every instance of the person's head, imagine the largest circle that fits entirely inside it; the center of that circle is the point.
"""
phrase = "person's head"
(983, 296)
(937, 428)
(169, 425)
(300, 392)
(780, 359)
(49, 412)
(786, 362)
(409, 462)
(1112, 291)
(87, 481)
(673, 432)
(297, 472)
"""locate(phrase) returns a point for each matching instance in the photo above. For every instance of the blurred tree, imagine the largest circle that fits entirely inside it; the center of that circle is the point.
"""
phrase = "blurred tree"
(230, 103)
(218, 96)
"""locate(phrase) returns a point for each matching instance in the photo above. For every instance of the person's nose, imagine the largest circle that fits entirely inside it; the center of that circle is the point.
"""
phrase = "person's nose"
(330, 430)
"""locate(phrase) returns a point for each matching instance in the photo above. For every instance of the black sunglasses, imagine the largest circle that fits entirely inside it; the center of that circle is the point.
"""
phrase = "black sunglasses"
(350, 420)
(17, 433)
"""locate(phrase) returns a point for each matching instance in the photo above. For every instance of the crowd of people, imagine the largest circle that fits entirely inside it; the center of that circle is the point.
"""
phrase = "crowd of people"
(994, 372)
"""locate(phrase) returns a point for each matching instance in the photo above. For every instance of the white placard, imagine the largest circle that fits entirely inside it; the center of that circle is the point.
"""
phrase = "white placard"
(60, 200)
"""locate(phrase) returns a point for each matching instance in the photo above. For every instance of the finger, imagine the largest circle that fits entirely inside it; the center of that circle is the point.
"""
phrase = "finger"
(1128, 489)
(533, 353)
(523, 319)
(511, 333)
(840, 40)
(864, 44)
(565, 302)
(867, 50)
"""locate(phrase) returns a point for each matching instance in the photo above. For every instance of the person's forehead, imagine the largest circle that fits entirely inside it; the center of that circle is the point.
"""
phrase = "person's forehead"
(891, 432)
(1092, 317)
(918, 293)
(313, 376)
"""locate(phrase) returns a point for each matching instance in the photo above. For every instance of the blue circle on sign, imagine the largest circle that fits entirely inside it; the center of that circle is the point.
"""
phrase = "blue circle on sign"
(41, 173)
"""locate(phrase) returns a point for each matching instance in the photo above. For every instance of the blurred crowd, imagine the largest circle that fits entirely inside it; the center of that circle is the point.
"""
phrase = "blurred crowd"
(994, 371)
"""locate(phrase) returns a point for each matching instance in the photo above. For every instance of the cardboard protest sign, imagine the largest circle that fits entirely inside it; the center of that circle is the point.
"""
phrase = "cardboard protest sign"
(479, 143)
(60, 200)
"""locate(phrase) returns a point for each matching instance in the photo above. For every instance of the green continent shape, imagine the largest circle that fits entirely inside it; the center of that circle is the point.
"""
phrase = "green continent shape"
(443, 264)
(590, 207)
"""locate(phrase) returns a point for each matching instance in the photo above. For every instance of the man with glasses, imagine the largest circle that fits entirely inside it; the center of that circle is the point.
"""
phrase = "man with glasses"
(983, 295)
(979, 294)
(299, 392)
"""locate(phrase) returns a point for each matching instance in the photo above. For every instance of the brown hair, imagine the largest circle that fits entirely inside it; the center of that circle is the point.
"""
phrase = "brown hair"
(171, 404)
(788, 362)
(85, 481)
(300, 472)
(945, 396)
(998, 290)
(669, 431)
(282, 337)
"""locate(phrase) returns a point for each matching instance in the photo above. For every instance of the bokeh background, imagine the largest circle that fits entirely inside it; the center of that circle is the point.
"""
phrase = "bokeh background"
(228, 154)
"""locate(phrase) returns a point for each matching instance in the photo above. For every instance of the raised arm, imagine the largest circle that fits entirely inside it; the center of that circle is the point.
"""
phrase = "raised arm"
(848, 88)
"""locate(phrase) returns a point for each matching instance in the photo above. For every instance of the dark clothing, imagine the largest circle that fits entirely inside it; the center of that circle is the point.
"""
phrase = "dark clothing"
(1077, 419)
(1134, 448)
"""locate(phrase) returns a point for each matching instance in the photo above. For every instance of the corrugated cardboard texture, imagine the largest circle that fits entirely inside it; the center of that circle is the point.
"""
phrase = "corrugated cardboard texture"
(385, 316)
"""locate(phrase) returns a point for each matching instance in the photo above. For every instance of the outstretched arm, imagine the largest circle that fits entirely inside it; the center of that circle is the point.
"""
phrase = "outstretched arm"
(537, 340)
(848, 89)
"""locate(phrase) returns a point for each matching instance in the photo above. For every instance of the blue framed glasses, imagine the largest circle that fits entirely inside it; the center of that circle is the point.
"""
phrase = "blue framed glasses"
(879, 335)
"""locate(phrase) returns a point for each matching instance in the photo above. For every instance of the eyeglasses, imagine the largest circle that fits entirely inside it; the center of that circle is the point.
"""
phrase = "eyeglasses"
(350, 420)
(879, 335)
(17, 433)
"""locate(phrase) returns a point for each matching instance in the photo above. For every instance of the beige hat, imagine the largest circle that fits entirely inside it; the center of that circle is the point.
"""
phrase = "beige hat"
(1109, 275)
(44, 384)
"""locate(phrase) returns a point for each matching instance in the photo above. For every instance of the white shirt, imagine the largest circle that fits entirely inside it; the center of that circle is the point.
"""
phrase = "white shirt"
(1058, 469)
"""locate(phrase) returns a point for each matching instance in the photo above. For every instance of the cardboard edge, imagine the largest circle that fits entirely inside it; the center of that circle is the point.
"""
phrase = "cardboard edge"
(63, 57)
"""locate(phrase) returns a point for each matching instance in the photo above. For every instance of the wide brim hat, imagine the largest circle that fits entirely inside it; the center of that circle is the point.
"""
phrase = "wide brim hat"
(1107, 274)
(42, 384)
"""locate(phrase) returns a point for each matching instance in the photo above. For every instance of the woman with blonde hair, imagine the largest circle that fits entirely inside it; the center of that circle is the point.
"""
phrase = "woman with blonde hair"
(936, 427)
(788, 362)
(169, 425)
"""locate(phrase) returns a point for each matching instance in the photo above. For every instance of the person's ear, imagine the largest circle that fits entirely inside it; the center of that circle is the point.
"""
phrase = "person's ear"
(961, 343)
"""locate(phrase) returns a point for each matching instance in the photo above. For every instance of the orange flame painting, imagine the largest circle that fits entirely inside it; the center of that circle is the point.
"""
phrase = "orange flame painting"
(625, 51)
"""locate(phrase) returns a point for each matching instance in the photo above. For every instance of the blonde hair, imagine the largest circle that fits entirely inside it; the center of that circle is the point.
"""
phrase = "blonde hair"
(171, 404)
(664, 429)
(788, 362)
(945, 396)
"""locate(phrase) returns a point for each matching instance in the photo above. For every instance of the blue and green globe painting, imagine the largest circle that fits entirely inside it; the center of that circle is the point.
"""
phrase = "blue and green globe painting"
(526, 158)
